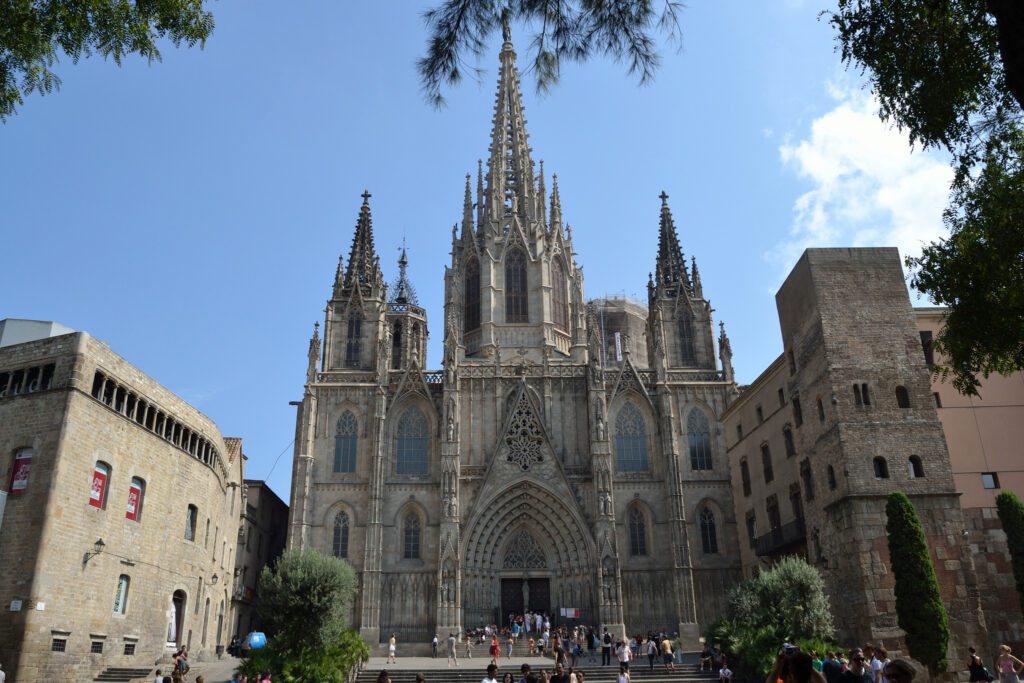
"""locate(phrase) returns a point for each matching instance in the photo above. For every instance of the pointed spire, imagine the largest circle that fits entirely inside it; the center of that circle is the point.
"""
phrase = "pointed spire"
(542, 198)
(509, 168)
(339, 276)
(670, 270)
(405, 293)
(467, 214)
(725, 352)
(556, 205)
(363, 264)
(313, 355)
(698, 291)
(479, 193)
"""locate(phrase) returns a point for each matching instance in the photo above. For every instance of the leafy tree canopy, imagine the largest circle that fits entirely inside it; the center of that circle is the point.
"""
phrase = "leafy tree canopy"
(1011, 514)
(572, 30)
(304, 599)
(950, 73)
(789, 598)
(919, 609)
(34, 33)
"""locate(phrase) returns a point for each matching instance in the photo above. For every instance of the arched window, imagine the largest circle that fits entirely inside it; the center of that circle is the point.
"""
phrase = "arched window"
(396, 346)
(559, 309)
(100, 483)
(345, 443)
(136, 492)
(805, 474)
(745, 476)
(787, 437)
(708, 534)
(121, 596)
(902, 397)
(630, 440)
(831, 479)
(411, 532)
(637, 533)
(191, 516)
(354, 333)
(766, 463)
(700, 440)
(515, 287)
(916, 468)
(339, 548)
(687, 354)
(881, 468)
(471, 305)
(411, 443)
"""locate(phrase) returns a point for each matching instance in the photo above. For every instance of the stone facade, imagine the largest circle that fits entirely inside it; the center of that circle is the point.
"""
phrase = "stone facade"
(852, 390)
(535, 470)
(261, 540)
(92, 449)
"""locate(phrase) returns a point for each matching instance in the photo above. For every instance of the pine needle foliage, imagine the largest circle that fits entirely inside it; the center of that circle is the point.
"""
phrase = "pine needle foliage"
(1011, 514)
(919, 609)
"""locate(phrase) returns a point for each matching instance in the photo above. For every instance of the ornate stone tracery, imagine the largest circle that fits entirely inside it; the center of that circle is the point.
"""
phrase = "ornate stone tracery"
(525, 436)
(523, 552)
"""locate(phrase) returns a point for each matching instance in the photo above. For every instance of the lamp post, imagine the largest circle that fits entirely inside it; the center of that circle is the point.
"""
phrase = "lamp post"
(97, 548)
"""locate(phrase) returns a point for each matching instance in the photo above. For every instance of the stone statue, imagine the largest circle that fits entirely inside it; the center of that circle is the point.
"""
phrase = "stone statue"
(526, 593)
(600, 428)
(451, 428)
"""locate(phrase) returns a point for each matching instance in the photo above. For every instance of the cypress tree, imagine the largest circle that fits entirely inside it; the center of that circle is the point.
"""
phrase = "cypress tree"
(919, 608)
(1011, 514)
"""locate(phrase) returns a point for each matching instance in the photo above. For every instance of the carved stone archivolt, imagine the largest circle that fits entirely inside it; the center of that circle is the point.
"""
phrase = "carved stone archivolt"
(523, 552)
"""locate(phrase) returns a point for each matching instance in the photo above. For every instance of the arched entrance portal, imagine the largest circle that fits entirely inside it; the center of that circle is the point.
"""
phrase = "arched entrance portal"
(526, 549)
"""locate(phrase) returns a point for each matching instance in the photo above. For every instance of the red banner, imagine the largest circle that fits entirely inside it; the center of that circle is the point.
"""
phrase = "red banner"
(99, 485)
(19, 478)
(134, 493)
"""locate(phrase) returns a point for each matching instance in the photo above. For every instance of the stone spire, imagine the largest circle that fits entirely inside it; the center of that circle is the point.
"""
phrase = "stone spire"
(556, 205)
(313, 355)
(542, 195)
(405, 293)
(698, 291)
(725, 352)
(467, 214)
(509, 168)
(339, 277)
(670, 271)
(363, 264)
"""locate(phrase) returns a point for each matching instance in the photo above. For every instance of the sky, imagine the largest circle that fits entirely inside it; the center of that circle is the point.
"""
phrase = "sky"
(191, 212)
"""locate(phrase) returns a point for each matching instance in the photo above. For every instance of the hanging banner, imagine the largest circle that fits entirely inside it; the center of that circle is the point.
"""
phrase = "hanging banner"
(99, 483)
(19, 478)
(618, 347)
(134, 493)
(571, 612)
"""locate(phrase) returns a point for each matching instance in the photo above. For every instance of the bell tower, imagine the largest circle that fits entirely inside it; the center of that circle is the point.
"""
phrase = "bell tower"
(407, 322)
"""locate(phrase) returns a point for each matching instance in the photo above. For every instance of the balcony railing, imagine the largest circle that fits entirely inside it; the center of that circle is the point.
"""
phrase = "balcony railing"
(781, 537)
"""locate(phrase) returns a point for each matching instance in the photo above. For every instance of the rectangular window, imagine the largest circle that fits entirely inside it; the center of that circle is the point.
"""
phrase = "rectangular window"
(97, 647)
(59, 645)
(782, 397)
(190, 522)
(787, 435)
(798, 414)
(134, 508)
(19, 473)
(739, 432)
(792, 361)
(121, 596)
(766, 461)
(129, 649)
(760, 415)
(938, 399)
(926, 346)
(990, 480)
(745, 476)
(98, 489)
(751, 527)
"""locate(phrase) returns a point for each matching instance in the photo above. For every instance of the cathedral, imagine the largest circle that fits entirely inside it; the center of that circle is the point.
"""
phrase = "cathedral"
(567, 458)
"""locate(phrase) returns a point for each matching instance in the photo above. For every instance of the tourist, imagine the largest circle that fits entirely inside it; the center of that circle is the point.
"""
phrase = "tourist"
(725, 673)
(857, 673)
(1008, 665)
(200, 679)
(495, 651)
(576, 652)
(623, 654)
(452, 656)
(606, 648)
(977, 668)
(899, 671)
(383, 677)
(492, 671)
(705, 657)
(433, 647)
(525, 671)
(623, 676)
(652, 652)
(816, 661)
(507, 678)
(508, 647)
(667, 656)
(831, 668)
(882, 657)
(559, 675)
(159, 677)
(391, 650)
(469, 647)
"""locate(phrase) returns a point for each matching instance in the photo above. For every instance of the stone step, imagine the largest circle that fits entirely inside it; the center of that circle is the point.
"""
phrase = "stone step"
(117, 674)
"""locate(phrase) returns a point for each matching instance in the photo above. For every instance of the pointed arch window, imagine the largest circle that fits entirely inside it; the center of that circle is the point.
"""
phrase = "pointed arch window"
(411, 533)
(471, 305)
(637, 533)
(630, 440)
(559, 307)
(687, 353)
(121, 595)
(345, 443)
(339, 546)
(396, 346)
(515, 287)
(411, 443)
(700, 440)
(708, 533)
(353, 335)
(100, 484)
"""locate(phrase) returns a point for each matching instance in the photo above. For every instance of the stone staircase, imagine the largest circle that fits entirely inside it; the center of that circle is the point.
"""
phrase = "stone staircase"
(473, 670)
(122, 675)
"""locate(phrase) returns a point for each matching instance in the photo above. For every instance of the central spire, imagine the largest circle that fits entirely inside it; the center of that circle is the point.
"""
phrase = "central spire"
(510, 182)
(671, 266)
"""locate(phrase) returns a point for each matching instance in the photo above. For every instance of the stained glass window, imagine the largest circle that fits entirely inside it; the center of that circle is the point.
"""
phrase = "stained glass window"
(411, 446)
(345, 443)
(339, 548)
(630, 440)
(515, 288)
(700, 440)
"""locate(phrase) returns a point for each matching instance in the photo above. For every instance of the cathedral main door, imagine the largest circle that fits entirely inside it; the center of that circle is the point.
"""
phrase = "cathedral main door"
(521, 595)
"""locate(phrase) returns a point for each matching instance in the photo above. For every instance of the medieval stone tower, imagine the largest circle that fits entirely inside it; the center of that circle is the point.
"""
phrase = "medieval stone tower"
(534, 472)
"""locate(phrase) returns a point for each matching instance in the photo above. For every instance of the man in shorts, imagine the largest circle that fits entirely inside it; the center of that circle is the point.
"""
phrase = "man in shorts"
(667, 656)
(451, 650)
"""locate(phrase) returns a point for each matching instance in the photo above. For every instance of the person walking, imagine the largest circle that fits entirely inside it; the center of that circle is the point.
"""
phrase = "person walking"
(433, 647)
(391, 650)
(667, 656)
(495, 652)
(976, 667)
(452, 656)
(652, 651)
(469, 647)
(1008, 665)
(508, 647)
(623, 676)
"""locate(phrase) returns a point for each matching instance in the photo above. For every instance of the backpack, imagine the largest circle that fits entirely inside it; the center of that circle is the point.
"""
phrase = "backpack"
(607, 639)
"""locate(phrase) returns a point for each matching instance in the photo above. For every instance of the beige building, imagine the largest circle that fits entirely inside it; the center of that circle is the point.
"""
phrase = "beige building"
(261, 540)
(119, 515)
(567, 456)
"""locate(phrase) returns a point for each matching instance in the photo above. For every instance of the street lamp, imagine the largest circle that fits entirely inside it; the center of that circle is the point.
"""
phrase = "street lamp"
(97, 548)
(214, 579)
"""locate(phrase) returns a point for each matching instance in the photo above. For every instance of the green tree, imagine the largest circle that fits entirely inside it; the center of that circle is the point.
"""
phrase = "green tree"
(304, 600)
(919, 609)
(34, 33)
(1011, 514)
(572, 30)
(950, 73)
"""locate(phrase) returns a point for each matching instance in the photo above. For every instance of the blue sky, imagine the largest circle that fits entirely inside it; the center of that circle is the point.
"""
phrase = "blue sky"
(191, 212)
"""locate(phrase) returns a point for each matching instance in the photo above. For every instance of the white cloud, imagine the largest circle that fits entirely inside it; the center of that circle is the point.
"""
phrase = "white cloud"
(868, 187)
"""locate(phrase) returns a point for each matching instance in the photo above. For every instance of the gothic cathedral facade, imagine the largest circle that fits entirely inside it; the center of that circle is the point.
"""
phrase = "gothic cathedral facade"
(536, 471)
